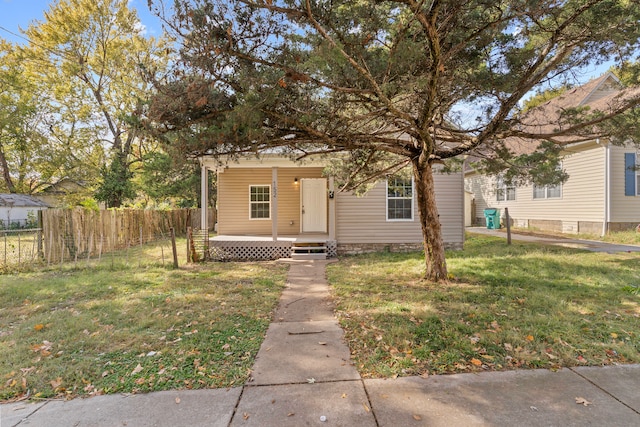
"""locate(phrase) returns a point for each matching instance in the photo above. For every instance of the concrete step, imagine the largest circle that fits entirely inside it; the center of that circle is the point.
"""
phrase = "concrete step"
(295, 255)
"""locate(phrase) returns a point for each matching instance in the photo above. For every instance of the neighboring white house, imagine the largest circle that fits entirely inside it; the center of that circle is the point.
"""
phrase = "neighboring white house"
(603, 190)
(19, 210)
(274, 199)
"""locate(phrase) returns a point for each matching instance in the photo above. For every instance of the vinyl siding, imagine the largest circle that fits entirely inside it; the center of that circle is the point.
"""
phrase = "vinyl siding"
(233, 200)
(582, 196)
(623, 208)
(363, 219)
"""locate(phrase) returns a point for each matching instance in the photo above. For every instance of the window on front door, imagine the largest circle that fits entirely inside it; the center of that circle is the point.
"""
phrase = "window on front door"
(260, 202)
(399, 199)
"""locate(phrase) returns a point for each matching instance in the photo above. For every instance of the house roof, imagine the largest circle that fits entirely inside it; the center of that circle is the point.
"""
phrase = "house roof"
(604, 94)
(20, 200)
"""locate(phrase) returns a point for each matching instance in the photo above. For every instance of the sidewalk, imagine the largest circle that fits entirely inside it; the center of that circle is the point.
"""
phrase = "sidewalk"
(303, 372)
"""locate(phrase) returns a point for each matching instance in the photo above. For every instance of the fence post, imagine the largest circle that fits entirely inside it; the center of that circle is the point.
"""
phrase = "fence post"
(173, 246)
(40, 234)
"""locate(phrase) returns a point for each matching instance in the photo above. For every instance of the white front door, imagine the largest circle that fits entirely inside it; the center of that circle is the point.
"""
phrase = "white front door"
(314, 205)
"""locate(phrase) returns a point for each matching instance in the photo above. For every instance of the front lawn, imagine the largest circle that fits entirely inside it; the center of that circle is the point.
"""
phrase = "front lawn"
(506, 307)
(133, 327)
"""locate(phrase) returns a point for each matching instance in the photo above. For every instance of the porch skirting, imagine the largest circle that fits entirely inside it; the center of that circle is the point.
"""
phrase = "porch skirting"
(258, 250)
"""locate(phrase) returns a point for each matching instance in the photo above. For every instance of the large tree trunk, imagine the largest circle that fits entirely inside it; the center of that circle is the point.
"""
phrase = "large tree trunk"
(436, 265)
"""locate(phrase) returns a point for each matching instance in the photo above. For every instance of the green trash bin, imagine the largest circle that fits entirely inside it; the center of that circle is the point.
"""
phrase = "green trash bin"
(492, 218)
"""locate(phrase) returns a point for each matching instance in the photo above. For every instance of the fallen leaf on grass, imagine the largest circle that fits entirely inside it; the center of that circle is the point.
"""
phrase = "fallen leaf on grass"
(137, 369)
(530, 338)
(56, 383)
(39, 327)
(582, 401)
(476, 362)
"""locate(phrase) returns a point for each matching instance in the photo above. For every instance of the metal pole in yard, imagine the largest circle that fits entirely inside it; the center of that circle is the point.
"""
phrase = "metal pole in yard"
(506, 212)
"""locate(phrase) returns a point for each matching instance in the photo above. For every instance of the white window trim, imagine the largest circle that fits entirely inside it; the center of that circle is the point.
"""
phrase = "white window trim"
(386, 197)
(500, 185)
(546, 191)
(252, 202)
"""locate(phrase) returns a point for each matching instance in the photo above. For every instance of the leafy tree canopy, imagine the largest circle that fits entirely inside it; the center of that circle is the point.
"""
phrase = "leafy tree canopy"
(383, 81)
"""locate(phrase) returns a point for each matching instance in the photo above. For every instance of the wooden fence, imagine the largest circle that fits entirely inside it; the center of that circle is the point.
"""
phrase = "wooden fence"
(79, 234)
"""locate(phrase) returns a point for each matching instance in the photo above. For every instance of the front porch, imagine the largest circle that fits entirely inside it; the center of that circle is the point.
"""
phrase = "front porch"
(244, 247)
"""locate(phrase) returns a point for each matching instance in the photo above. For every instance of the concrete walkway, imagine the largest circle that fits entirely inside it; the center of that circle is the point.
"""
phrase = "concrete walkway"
(303, 377)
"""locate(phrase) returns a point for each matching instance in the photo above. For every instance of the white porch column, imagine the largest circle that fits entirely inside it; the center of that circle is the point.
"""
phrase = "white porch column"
(332, 209)
(204, 197)
(274, 203)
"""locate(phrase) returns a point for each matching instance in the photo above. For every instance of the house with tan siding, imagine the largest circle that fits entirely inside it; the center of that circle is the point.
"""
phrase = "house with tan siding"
(272, 207)
(602, 192)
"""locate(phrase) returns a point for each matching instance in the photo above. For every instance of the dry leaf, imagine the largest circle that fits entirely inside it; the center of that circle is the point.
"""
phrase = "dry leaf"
(56, 383)
(245, 416)
(322, 342)
(529, 338)
(177, 400)
(291, 414)
(344, 395)
(417, 417)
(366, 408)
(582, 401)
(476, 362)
(137, 369)
(39, 327)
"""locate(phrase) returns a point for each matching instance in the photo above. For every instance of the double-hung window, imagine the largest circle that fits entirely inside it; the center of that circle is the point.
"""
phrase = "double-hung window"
(259, 201)
(399, 199)
(504, 192)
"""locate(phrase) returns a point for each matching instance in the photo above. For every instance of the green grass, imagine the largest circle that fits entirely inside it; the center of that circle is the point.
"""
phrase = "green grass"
(132, 326)
(506, 307)
(629, 237)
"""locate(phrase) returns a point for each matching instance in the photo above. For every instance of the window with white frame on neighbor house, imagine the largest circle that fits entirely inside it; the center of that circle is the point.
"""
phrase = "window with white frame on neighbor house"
(547, 191)
(259, 201)
(504, 192)
(399, 199)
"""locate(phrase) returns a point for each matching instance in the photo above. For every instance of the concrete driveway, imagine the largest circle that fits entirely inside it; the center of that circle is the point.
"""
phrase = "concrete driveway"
(587, 245)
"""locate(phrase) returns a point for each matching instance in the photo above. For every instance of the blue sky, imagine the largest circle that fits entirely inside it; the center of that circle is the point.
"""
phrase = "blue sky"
(16, 14)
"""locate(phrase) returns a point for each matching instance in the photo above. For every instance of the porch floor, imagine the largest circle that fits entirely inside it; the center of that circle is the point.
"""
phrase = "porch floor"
(299, 238)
